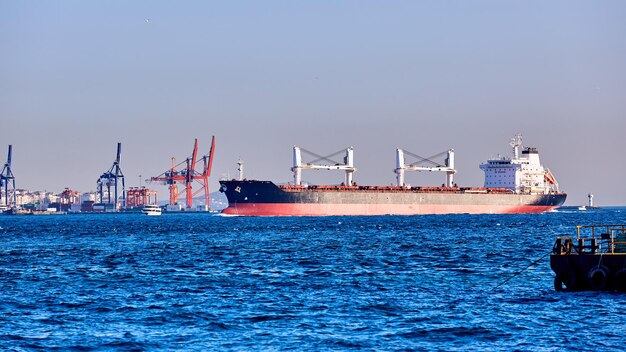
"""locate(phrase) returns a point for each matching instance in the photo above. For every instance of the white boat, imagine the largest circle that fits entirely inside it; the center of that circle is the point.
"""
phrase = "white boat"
(151, 209)
(582, 207)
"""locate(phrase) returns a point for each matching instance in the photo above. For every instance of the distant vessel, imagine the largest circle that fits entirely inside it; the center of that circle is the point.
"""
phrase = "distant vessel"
(151, 209)
(519, 184)
(17, 211)
(25, 211)
(582, 208)
(595, 260)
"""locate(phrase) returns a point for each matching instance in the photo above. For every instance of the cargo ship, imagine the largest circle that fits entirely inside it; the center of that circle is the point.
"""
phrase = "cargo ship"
(513, 185)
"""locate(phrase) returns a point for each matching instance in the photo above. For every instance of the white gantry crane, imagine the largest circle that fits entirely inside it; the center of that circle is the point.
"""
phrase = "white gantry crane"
(447, 167)
(347, 165)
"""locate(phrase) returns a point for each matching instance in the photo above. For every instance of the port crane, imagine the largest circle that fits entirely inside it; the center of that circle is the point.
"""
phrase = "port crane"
(187, 172)
(7, 182)
(113, 177)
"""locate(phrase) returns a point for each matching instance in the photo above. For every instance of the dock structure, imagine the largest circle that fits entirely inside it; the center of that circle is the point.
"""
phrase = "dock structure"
(140, 196)
(192, 169)
(114, 177)
(595, 260)
(69, 199)
(7, 183)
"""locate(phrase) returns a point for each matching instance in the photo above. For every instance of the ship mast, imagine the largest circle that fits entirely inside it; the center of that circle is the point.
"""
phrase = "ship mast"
(516, 144)
(240, 169)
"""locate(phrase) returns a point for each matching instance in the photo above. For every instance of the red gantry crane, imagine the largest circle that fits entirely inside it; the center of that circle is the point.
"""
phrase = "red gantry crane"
(187, 172)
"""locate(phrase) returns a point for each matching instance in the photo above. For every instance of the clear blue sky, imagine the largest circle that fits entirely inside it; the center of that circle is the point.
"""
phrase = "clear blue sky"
(76, 77)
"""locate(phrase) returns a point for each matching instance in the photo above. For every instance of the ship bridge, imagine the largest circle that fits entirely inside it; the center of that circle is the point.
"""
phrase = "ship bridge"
(522, 173)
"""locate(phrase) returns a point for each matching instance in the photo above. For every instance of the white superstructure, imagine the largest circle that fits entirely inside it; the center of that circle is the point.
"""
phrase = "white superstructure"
(522, 173)
(151, 209)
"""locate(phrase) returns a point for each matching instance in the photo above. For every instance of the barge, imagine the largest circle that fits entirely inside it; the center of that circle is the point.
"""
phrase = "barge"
(595, 260)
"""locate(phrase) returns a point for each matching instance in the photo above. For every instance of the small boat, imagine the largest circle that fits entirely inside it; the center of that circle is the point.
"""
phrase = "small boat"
(582, 208)
(594, 260)
(151, 209)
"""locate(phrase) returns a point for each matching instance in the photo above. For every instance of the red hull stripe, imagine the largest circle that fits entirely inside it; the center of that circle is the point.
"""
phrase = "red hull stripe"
(298, 209)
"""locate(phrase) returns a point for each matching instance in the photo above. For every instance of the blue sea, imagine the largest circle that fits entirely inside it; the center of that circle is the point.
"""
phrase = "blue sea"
(128, 282)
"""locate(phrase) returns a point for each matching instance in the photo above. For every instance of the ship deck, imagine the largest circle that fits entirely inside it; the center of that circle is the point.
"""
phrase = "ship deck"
(396, 189)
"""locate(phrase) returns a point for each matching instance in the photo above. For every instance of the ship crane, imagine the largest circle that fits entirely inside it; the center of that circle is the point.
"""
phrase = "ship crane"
(186, 172)
(347, 165)
(7, 182)
(419, 165)
(113, 177)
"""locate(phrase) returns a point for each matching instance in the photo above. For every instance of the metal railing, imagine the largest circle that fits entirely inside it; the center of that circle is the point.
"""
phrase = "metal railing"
(593, 239)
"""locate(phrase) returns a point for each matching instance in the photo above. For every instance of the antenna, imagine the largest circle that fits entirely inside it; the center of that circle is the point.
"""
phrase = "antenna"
(516, 144)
